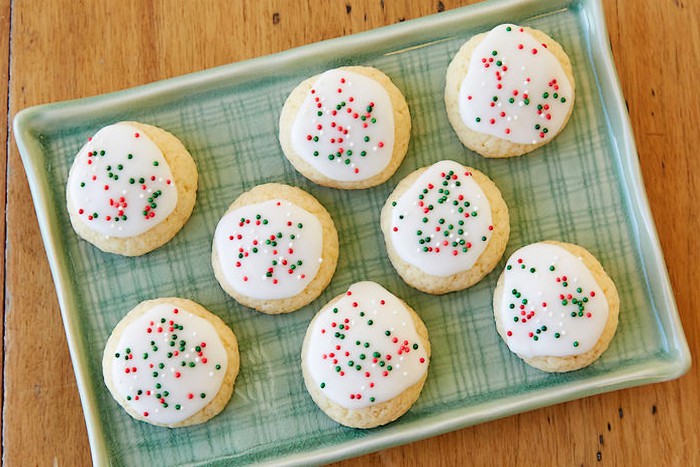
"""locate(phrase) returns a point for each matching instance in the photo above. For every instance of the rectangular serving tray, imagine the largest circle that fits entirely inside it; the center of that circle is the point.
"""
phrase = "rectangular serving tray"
(585, 187)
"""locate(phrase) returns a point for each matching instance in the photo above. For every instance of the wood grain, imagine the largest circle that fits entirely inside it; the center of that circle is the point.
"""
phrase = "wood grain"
(4, 89)
(65, 49)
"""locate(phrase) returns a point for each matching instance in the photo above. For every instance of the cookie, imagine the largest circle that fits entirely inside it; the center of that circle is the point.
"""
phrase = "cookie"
(555, 306)
(445, 227)
(275, 249)
(509, 91)
(171, 363)
(365, 357)
(131, 188)
(346, 128)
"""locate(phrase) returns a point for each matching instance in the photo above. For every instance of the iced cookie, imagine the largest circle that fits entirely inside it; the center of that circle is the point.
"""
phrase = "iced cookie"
(131, 188)
(555, 306)
(445, 227)
(275, 249)
(509, 91)
(346, 128)
(365, 357)
(171, 363)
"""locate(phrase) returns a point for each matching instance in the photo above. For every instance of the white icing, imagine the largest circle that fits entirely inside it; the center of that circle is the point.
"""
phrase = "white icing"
(388, 365)
(524, 77)
(333, 142)
(256, 261)
(129, 195)
(549, 303)
(181, 386)
(458, 218)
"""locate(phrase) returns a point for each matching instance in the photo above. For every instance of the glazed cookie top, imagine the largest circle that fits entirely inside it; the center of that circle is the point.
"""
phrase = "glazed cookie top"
(345, 127)
(364, 348)
(515, 89)
(269, 250)
(120, 183)
(169, 364)
(551, 306)
(442, 223)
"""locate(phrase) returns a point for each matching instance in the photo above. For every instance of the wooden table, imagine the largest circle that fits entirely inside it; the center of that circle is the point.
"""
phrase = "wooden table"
(65, 49)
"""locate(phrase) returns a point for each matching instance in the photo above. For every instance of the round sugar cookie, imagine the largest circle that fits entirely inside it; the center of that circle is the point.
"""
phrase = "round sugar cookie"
(131, 188)
(346, 128)
(365, 357)
(275, 249)
(555, 306)
(171, 363)
(445, 227)
(509, 91)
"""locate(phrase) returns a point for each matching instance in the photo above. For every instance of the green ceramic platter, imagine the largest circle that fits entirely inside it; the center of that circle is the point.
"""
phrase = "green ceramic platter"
(585, 187)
